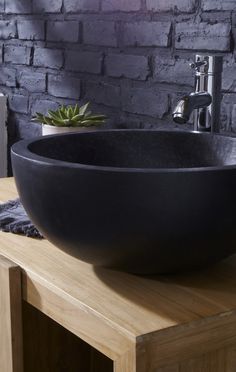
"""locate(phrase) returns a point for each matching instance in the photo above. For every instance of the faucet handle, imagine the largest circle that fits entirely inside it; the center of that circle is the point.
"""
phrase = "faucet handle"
(207, 64)
(198, 64)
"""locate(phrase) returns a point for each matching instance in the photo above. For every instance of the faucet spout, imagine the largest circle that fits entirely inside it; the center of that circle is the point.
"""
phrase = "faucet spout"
(206, 99)
(188, 103)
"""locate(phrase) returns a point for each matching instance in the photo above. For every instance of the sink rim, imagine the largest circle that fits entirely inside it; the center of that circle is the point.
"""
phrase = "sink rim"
(21, 149)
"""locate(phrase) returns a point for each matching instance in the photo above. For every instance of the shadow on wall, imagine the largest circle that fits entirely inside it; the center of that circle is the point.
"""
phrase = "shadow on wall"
(128, 60)
(106, 62)
(34, 74)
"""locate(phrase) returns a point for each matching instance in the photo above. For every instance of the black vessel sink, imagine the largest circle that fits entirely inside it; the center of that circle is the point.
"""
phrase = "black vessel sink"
(142, 201)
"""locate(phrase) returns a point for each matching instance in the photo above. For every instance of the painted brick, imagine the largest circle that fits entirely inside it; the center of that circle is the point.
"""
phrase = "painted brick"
(102, 93)
(129, 66)
(225, 117)
(64, 86)
(47, 6)
(67, 31)
(90, 62)
(31, 30)
(75, 6)
(229, 75)
(228, 119)
(218, 5)
(173, 70)
(7, 76)
(18, 6)
(145, 101)
(17, 54)
(121, 5)
(7, 29)
(18, 103)
(42, 106)
(32, 81)
(233, 122)
(142, 25)
(203, 36)
(26, 130)
(2, 5)
(101, 33)
(148, 34)
(45, 57)
(185, 6)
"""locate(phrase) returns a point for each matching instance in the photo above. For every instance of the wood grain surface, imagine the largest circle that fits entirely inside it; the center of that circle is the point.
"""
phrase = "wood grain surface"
(11, 345)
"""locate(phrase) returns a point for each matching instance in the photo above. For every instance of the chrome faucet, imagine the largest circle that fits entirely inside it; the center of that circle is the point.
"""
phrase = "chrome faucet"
(205, 101)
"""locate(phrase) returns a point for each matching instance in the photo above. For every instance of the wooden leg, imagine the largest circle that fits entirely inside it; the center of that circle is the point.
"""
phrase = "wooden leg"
(127, 363)
(11, 344)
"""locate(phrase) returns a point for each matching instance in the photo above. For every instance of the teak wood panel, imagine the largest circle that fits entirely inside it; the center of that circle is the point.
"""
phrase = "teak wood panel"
(222, 360)
(11, 345)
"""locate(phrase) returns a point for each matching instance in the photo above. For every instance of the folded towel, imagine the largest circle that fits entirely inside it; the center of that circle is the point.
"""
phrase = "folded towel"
(14, 219)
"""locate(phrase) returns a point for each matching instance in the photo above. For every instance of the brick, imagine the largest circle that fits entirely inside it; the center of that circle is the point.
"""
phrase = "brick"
(7, 76)
(7, 29)
(129, 66)
(47, 6)
(145, 101)
(42, 106)
(208, 5)
(18, 6)
(148, 34)
(121, 5)
(18, 103)
(45, 57)
(173, 70)
(90, 62)
(100, 33)
(17, 54)
(225, 117)
(75, 6)
(26, 129)
(32, 81)
(67, 31)
(203, 36)
(227, 103)
(2, 6)
(229, 75)
(233, 122)
(31, 30)
(64, 86)
(106, 94)
(185, 6)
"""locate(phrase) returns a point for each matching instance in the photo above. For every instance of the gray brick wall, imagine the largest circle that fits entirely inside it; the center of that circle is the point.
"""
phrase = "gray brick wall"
(31, 30)
(147, 34)
(128, 57)
(48, 58)
(16, 54)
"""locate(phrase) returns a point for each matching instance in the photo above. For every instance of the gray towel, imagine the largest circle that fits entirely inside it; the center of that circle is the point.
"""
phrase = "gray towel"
(13, 218)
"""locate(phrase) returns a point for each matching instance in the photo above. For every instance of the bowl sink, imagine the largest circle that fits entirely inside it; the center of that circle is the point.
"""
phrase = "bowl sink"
(142, 201)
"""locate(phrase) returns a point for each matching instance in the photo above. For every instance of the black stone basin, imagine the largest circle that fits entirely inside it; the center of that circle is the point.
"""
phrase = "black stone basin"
(141, 201)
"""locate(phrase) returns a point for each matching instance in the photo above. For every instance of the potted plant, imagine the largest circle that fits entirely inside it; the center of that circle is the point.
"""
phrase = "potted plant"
(69, 119)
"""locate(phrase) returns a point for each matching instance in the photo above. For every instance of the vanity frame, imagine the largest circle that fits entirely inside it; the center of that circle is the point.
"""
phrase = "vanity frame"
(184, 323)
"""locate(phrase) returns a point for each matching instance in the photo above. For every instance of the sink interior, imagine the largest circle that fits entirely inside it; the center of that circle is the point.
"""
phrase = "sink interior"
(139, 149)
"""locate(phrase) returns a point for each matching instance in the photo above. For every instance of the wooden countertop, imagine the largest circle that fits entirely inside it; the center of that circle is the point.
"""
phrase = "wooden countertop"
(119, 313)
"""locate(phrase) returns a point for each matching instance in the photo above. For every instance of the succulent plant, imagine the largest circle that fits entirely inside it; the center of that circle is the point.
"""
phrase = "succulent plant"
(70, 116)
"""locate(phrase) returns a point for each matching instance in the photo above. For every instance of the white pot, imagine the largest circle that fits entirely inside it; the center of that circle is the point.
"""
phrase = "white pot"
(50, 129)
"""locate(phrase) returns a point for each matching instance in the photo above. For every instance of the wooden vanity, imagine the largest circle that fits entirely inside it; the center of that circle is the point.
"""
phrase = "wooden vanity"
(59, 314)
